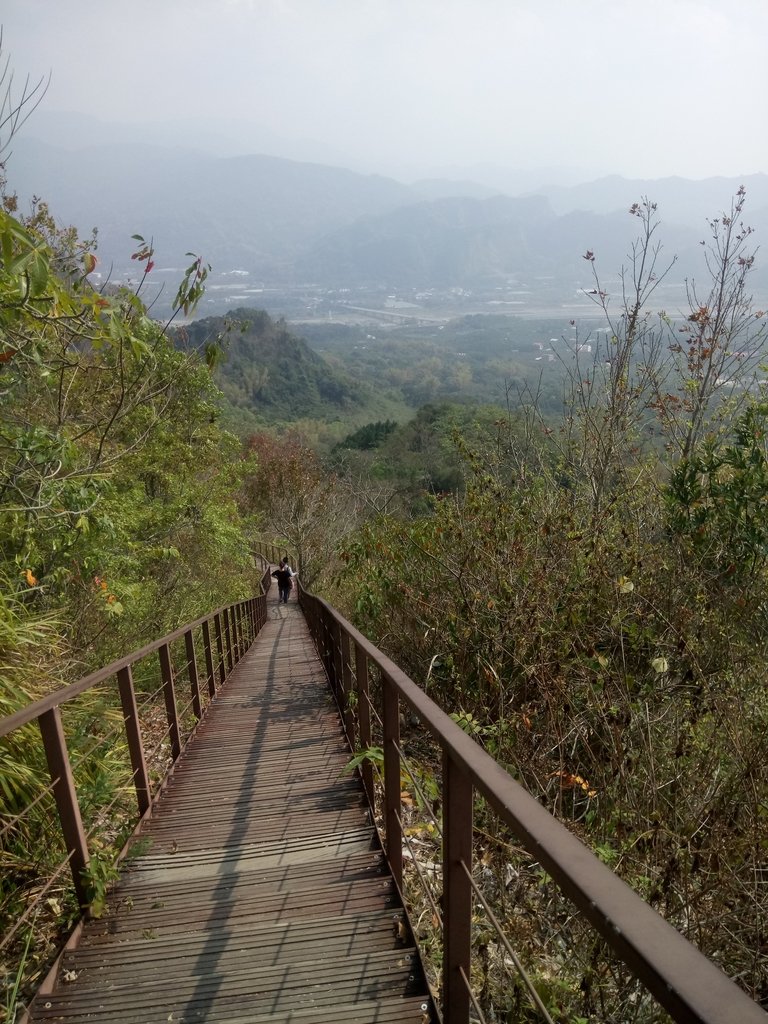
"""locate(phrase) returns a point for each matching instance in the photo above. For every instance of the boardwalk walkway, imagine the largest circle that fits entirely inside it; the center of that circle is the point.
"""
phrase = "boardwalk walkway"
(260, 892)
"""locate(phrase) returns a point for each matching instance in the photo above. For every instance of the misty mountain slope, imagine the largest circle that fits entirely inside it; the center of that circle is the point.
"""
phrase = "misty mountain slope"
(679, 200)
(441, 188)
(466, 242)
(447, 242)
(287, 222)
(257, 208)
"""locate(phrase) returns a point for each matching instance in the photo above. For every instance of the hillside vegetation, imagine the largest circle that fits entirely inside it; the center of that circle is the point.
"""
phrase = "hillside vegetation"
(120, 519)
(588, 598)
(581, 586)
(269, 375)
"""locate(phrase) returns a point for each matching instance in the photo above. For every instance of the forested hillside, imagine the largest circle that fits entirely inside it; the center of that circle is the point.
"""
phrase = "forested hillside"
(268, 374)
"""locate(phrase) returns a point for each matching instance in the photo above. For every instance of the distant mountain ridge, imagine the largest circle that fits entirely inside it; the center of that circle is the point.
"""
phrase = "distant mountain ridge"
(680, 200)
(287, 222)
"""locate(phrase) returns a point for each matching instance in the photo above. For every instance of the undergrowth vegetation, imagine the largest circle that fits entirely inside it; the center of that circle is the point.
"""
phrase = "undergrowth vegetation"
(591, 607)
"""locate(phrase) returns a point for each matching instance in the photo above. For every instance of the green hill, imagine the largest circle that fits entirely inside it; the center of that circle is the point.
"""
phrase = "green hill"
(269, 375)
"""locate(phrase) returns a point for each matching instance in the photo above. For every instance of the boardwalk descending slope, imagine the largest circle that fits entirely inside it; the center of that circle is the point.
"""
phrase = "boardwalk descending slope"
(261, 894)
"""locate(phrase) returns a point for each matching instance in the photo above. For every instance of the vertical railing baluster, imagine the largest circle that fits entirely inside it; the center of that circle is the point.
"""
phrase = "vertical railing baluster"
(208, 650)
(328, 647)
(245, 628)
(228, 639)
(65, 795)
(364, 718)
(346, 686)
(194, 683)
(242, 628)
(457, 891)
(322, 640)
(391, 725)
(338, 676)
(166, 673)
(133, 736)
(221, 667)
(234, 619)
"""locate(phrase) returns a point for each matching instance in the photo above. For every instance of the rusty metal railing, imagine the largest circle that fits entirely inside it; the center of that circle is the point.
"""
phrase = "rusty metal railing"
(270, 551)
(149, 723)
(372, 691)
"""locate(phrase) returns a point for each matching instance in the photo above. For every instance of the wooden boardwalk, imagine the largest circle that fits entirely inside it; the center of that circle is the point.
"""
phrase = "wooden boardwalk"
(260, 892)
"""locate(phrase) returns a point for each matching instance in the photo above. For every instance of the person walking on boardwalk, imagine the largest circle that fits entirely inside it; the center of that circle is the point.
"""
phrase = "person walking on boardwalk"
(284, 576)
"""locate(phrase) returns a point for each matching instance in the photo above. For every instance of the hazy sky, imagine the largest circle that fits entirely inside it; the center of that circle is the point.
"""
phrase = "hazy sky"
(643, 88)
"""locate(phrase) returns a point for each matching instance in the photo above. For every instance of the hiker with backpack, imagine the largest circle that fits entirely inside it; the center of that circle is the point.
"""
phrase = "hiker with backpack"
(284, 576)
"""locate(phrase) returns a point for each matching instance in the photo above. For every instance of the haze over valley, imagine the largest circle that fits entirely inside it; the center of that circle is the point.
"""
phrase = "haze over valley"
(392, 161)
(314, 241)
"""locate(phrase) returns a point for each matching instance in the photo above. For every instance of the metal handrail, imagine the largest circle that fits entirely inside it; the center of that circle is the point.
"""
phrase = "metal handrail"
(235, 627)
(689, 986)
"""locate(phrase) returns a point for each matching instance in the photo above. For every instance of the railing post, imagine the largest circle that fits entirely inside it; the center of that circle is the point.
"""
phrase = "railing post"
(66, 799)
(133, 735)
(321, 641)
(242, 643)
(220, 648)
(194, 683)
(346, 688)
(391, 724)
(336, 658)
(211, 678)
(328, 649)
(228, 639)
(364, 718)
(166, 673)
(245, 629)
(234, 619)
(457, 891)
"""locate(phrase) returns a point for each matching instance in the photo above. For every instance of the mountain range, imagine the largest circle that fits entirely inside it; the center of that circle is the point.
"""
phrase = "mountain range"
(287, 222)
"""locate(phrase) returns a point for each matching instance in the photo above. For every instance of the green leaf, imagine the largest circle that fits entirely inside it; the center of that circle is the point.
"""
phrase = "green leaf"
(373, 754)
